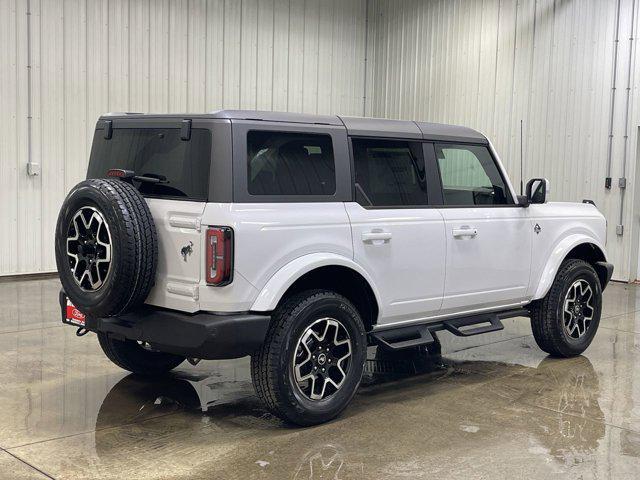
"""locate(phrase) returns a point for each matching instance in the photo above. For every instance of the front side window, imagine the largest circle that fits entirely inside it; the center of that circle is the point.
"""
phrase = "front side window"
(389, 173)
(281, 163)
(470, 176)
(181, 166)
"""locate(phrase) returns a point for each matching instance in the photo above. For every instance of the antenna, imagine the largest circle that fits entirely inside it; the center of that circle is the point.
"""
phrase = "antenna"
(521, 158)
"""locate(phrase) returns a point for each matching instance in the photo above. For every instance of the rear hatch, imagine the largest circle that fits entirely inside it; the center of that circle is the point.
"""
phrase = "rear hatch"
(181, 162)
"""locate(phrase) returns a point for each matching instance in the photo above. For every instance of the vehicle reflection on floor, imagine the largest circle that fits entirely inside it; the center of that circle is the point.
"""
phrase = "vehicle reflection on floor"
(564, 435)
(491, 406)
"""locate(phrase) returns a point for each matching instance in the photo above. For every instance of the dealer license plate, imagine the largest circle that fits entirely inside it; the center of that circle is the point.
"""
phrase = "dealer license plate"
(72, 315)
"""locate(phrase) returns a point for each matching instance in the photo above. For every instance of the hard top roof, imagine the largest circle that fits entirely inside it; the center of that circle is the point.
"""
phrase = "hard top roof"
(361, 126)
(356, 126)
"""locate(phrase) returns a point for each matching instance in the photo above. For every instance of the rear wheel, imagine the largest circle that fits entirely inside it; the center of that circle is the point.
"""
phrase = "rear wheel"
(137, 357)
(565, 321)
(312, 359)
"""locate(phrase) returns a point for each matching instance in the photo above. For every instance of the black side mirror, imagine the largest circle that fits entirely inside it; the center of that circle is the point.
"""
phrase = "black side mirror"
(537, 190)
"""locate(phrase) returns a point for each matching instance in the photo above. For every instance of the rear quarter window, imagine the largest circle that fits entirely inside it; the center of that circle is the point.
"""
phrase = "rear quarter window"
(282, 163)
(181, 165)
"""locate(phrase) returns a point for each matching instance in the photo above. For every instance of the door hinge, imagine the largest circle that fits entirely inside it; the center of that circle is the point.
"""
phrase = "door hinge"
(194, 223)
(184, 290)
(185, 130)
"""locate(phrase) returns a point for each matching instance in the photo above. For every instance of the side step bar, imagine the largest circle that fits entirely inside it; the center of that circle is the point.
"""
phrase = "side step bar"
(416, 335)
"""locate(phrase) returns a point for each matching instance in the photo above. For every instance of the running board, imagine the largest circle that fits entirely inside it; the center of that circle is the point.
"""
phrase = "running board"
(406, 337)
(476, 325)
(400, 338)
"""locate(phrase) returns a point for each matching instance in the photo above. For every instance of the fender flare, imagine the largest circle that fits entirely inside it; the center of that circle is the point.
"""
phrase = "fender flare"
(558, 254)
(279, 283)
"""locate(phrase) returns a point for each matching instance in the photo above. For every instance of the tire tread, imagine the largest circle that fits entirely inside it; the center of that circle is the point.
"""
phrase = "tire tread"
(547, 332)
(137, 247)
(265, 370)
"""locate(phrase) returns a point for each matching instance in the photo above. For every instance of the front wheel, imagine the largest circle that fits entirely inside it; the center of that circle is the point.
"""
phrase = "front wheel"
(565, 321)
(312, 359)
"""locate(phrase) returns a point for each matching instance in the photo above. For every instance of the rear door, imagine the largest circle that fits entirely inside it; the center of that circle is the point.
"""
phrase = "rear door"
(397, 236)
(290, 182)
(181, 161)
(488, 236)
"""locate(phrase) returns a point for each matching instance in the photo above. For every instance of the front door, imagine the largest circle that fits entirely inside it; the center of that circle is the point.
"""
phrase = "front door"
(397, 237)
(488, 236)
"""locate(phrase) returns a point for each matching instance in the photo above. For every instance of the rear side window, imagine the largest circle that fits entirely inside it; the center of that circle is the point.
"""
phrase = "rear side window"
(281, 163)
(181, 165)
(470, 176)
(389, 173)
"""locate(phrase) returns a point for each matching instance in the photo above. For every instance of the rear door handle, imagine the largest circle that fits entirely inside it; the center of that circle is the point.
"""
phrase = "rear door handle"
(464, 231)
(376, 237)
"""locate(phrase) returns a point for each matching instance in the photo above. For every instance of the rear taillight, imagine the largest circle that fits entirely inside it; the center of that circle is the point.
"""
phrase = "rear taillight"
(219, 264)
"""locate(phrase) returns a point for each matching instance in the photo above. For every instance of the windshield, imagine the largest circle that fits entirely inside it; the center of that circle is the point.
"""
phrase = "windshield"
(182, 165)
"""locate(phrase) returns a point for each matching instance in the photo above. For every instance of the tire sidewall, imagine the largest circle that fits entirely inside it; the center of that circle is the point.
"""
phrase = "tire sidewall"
(83, 195)
(315, 411)
(584, 272)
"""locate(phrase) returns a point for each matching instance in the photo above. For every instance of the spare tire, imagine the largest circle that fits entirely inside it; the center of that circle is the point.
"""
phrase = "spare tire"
(106, 247)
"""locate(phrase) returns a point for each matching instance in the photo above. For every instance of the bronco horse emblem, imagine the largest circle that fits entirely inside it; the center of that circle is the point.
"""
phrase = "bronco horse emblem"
(187, 250)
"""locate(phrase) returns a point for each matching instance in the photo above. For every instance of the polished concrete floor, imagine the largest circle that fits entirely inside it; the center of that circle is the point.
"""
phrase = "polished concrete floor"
(492, 406)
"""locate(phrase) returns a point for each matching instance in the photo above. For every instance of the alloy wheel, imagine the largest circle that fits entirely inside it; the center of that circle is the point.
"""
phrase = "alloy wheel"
(322, 358)
(89, 248)
(578, 309)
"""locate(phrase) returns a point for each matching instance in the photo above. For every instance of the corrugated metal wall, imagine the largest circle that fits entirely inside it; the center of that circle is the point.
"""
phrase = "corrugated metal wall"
(488, 64)
(90, 57)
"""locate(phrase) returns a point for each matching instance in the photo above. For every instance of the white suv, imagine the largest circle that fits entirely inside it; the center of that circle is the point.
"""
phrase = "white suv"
(302, 239)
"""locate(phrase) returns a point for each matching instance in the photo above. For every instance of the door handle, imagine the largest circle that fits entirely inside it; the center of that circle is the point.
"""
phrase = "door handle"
(376, 237)
(464, 231)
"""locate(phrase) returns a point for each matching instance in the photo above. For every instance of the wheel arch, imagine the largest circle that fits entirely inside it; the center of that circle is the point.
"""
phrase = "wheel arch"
(322, 271)
(575, 246)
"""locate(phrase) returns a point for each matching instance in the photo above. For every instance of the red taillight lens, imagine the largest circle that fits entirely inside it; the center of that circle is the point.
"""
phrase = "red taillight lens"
(219, 265)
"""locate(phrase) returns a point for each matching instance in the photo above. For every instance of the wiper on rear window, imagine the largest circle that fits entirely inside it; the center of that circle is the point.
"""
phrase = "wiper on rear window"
(131, 175)
(151, 178)
(151, 184)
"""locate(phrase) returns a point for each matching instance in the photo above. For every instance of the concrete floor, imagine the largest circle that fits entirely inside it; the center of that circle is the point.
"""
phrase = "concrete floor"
(492, 407)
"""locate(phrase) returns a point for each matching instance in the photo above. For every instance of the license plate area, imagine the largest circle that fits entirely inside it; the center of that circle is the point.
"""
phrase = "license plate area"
(71, 315)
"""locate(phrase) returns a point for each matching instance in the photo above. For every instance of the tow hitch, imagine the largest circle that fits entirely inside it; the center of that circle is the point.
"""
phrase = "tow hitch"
(81, 332)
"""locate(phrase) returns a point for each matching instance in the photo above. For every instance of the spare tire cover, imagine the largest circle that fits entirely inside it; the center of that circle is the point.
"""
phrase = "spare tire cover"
(106, 247)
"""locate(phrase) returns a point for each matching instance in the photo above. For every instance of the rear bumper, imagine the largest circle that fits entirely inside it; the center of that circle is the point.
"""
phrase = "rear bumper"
(199, 335)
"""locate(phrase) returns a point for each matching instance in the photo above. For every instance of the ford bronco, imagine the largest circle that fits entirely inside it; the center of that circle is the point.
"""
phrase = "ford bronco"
(301, 240)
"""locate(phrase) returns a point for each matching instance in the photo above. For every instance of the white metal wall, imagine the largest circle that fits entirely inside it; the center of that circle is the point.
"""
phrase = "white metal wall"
(488, 64)
(89, 57)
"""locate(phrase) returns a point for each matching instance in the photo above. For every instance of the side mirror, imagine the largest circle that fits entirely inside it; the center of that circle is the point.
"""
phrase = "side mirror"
(537, 190)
